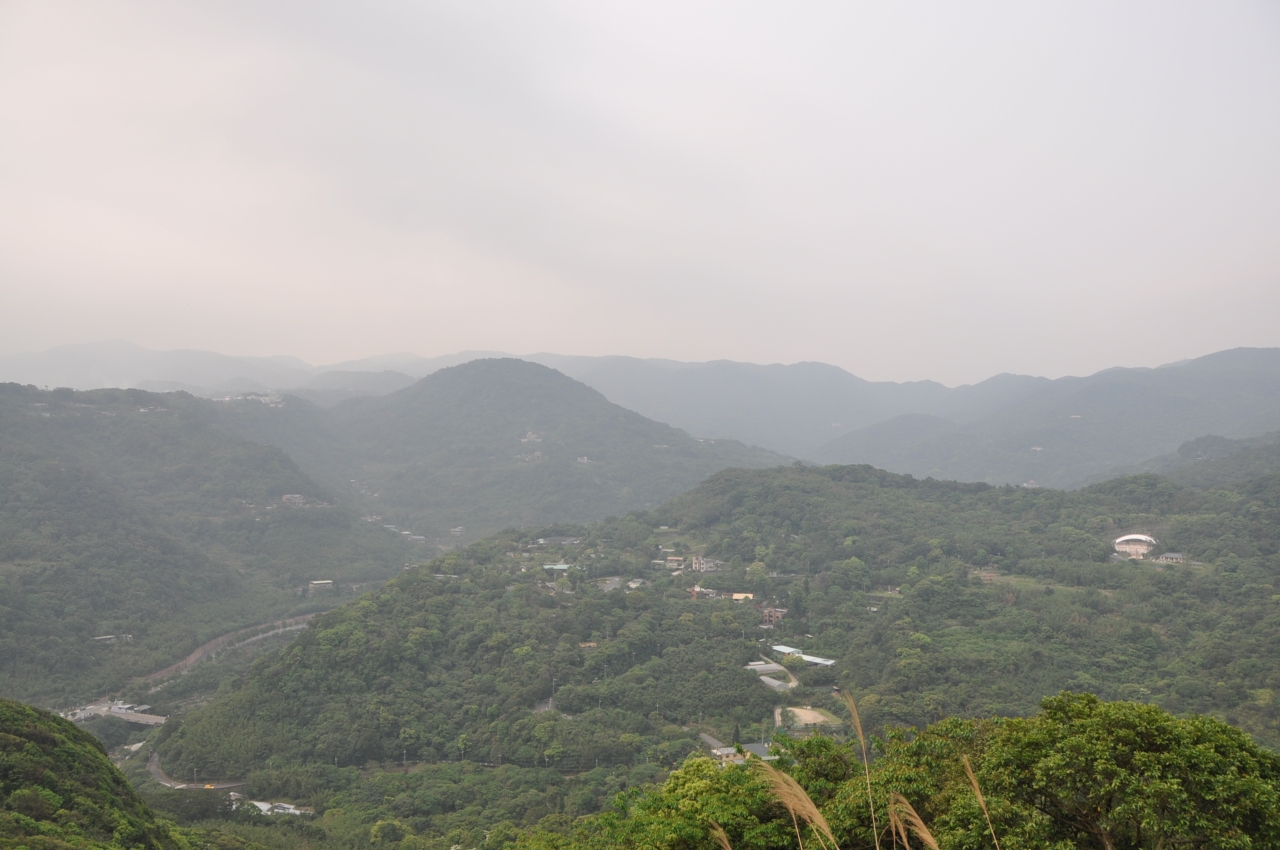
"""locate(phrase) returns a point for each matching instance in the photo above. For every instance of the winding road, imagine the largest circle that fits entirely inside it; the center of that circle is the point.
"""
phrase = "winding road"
(153, 767)
(206, 649)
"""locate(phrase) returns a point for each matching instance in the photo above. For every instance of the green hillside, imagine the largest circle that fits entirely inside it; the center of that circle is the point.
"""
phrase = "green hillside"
(59, 790)
(130, 513)
(502, 443)
(1214, 461)
(934, 599)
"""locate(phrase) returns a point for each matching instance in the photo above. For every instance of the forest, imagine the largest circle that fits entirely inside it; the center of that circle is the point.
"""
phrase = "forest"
(426, 702)
(131, 513)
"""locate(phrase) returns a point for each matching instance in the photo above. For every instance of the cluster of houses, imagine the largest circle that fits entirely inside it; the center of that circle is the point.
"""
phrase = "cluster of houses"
(699, 592)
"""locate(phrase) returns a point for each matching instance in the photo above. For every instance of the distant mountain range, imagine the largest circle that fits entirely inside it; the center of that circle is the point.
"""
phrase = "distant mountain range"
(1007, 429)
(1075, 431)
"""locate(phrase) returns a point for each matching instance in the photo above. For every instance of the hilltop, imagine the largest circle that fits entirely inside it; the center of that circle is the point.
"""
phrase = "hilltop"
(503, 442)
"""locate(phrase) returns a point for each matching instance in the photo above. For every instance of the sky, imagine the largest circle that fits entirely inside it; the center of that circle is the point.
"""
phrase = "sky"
(906, 190)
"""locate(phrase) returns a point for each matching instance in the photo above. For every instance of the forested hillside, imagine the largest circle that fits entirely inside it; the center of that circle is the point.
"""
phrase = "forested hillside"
(1214, 461)
(126, 513)
(60, 790)
(499, 443)
(935, 599)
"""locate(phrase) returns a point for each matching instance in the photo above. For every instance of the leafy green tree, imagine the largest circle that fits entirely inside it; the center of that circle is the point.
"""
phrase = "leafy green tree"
(1110, 775)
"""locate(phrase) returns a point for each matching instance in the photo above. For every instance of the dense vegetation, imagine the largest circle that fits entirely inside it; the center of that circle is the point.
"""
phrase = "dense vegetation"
(935, 599)
(1213, 461)
(59, 790)
(1079, 775)
(130, 513)
(500, 443)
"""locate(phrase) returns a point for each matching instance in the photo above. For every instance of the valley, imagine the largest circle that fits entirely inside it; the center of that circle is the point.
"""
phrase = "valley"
(492, 601)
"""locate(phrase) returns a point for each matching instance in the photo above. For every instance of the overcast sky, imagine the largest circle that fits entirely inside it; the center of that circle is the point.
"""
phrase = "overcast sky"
(907, 190)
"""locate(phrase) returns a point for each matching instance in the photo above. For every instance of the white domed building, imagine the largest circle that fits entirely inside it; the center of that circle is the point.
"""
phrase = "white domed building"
(1135, 545)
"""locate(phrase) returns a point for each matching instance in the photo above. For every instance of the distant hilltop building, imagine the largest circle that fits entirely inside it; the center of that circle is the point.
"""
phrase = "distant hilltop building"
(294, 499)
(1135, 545)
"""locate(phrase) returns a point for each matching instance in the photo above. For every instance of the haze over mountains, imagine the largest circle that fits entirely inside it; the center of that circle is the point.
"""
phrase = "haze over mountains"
(1008, 429)
(133, 527)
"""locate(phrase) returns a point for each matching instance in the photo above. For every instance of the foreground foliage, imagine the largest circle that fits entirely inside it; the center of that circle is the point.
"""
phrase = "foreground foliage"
(58, 789)
(1080, 774)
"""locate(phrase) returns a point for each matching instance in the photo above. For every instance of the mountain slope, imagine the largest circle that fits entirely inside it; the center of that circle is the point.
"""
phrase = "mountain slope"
(496, 443)
(1214, 461)
(60, 790)
(1076, 430)
(124, 512)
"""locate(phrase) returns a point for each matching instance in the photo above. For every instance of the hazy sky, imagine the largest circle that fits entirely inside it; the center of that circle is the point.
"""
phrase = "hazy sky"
(907, 190)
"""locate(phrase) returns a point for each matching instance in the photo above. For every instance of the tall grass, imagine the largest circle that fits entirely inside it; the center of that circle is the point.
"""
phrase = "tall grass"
(866, 766)
(720, 837)
(903, 817)
(977, 791)
(797, 802)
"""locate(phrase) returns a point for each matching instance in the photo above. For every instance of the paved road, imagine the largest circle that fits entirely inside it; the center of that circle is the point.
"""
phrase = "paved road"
(153, 767)
(206, 649)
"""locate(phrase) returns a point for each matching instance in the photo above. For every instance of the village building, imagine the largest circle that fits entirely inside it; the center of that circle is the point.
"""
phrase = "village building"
(704, 565)
(808, 659)
(772, 616)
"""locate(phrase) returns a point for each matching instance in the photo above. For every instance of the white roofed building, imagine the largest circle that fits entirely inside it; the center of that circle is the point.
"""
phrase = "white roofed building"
(1135, 545)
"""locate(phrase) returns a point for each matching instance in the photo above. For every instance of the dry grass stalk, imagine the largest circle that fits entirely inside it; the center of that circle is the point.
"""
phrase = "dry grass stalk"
(977, 791)
(902, 816)
(796, 801)
(721, 838)
(866, 766)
